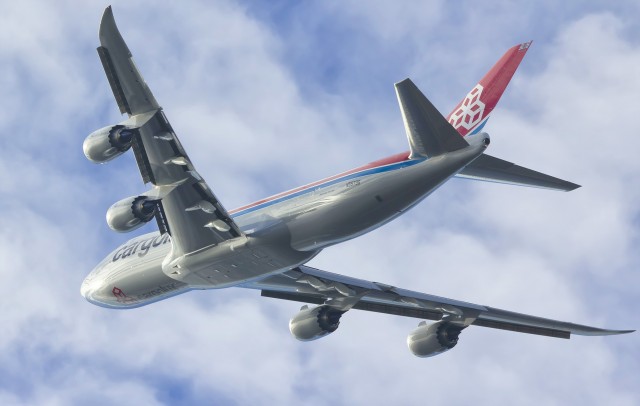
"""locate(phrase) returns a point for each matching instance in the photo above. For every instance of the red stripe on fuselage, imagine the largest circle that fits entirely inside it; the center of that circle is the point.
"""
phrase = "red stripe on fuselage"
(375, 164)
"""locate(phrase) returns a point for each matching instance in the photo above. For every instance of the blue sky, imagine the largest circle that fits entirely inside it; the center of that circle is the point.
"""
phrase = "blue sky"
(269, 95)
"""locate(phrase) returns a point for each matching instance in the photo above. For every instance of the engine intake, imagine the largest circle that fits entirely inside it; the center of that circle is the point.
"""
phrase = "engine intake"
(313, 323)
(107, 143)
(131, 213)
(433, 339)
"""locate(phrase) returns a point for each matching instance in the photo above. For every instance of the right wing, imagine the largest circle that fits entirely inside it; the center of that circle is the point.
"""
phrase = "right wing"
(188, 209)
(491, 169)
(306, 284)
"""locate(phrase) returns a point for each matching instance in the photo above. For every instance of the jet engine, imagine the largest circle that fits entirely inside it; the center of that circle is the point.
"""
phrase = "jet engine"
(433, 339)
(131, 213)
(107, 143)
(313, 323)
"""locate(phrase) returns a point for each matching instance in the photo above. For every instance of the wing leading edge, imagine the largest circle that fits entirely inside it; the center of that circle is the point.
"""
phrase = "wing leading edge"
(310, 285)
(188, 209)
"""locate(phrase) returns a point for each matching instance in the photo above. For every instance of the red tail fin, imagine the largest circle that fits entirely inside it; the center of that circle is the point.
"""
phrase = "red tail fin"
(471, 114)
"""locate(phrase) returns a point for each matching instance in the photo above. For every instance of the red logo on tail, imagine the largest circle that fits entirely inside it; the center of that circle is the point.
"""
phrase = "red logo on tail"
(470, 111)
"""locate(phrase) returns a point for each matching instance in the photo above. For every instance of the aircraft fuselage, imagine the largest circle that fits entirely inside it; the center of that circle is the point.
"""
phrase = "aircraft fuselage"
(280, 232)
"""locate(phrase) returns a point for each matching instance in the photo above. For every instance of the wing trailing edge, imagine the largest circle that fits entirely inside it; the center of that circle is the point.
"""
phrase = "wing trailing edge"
(492, 169)
(524, 323)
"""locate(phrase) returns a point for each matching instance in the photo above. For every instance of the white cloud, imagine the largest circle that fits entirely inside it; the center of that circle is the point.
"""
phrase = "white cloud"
(240, 102)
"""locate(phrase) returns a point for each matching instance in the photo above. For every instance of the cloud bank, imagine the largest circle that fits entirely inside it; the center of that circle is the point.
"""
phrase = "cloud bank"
(267, 97)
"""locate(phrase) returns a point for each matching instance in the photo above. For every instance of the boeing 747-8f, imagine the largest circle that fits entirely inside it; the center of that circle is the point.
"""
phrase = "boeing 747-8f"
(265, 245)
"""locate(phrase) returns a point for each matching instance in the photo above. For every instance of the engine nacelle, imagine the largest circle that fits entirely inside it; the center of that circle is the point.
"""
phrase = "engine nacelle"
(433, 339)
(131, 213)
(107, 143)
(313, 323)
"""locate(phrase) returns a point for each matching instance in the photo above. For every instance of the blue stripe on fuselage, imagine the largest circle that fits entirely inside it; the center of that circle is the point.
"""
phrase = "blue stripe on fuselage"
(366, 172)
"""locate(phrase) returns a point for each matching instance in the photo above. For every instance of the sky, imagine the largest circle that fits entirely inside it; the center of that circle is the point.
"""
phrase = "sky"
(266, 96)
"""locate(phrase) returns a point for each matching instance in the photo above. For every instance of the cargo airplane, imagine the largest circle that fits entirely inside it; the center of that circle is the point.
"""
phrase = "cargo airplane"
(265, 245)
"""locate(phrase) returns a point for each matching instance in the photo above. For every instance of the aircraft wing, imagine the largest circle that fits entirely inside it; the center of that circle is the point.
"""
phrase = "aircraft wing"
(188, 209)
(492, 169)
(310, 285)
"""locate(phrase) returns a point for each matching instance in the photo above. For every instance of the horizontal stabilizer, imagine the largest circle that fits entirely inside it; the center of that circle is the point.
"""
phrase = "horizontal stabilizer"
(493, 169)
(429, 133)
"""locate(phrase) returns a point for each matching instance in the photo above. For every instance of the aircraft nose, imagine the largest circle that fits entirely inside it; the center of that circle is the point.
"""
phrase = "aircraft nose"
(85, 288)
(88, 287)
(96, 291)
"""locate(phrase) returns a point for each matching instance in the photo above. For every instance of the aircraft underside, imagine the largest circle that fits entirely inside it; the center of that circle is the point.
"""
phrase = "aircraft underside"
(265, 245)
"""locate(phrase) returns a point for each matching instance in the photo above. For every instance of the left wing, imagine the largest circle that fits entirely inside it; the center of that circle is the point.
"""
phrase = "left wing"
(188, 209)
(310, 285)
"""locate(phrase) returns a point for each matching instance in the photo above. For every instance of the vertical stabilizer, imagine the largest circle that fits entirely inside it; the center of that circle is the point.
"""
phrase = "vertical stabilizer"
(428, 132)
(471, 114)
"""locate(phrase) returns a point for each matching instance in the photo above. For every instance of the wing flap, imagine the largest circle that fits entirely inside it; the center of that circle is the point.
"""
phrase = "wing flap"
(362, 305)
(140, 153)
(112, 77)
(492, 169)
(521, 328)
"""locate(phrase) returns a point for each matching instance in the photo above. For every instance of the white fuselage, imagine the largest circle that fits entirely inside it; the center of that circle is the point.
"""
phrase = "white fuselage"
(280, 232)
